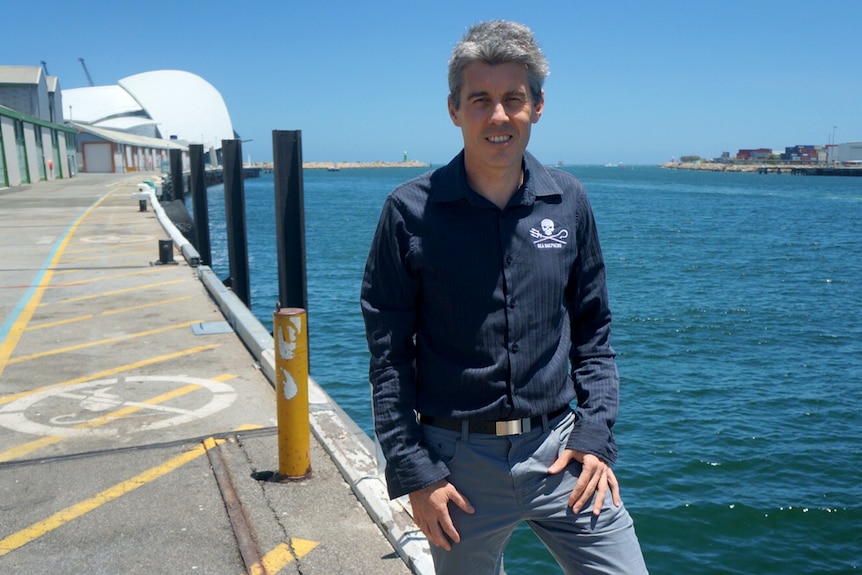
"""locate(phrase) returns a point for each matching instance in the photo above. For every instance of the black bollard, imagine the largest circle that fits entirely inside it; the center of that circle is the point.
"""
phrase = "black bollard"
(177, 191)
(290, 218)
(198, 187)
(234, 210)
(166, 253)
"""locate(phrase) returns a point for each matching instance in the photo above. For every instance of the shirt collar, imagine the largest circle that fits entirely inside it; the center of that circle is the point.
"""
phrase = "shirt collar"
(449, 183)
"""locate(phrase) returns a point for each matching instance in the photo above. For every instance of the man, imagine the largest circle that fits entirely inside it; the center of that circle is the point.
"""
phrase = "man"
(486, 314)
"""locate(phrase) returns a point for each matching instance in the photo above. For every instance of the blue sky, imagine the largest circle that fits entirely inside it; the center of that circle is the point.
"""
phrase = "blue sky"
(636, 82)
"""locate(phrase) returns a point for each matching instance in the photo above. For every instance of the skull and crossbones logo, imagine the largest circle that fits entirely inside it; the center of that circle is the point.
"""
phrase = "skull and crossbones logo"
(548, 233)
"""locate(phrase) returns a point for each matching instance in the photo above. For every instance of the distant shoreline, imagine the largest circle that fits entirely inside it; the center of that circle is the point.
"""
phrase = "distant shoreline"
(350, 165)
(720, 167)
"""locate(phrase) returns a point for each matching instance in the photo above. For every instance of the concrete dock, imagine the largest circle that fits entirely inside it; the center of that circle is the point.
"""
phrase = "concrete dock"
(138, 417)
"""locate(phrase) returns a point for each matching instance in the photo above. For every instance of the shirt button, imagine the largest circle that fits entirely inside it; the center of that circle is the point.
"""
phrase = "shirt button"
(515, 348)
(511, 303)
(508, 260)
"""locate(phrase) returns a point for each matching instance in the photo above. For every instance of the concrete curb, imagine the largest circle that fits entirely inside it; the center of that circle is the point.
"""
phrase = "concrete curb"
(349, 447)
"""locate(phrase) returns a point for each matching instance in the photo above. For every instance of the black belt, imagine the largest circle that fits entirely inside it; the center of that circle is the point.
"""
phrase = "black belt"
(508, 427)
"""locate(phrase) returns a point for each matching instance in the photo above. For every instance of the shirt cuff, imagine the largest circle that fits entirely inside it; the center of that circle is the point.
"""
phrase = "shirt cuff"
(413, 473)
(595, 439)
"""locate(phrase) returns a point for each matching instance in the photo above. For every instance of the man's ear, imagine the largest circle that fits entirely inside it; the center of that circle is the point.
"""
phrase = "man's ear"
(538, 108)
(453, 112)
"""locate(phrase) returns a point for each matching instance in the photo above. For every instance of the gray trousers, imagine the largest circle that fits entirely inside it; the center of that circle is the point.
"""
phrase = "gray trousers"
(506, 480)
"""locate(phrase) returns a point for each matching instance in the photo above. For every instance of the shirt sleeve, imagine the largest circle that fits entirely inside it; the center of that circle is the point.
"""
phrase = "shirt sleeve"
(389, 299)
(593, 366)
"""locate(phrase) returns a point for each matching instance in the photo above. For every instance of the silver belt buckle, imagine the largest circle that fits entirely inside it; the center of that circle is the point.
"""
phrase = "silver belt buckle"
(513, 427)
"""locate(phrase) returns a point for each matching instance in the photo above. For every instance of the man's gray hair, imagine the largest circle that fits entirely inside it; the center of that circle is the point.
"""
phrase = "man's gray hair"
(498, 42)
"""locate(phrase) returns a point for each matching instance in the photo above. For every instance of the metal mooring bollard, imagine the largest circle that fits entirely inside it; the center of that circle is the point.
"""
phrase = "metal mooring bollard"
(166, 253)
(291, 375)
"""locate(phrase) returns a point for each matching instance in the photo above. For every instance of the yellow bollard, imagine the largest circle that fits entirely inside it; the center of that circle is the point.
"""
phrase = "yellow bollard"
(291, 376)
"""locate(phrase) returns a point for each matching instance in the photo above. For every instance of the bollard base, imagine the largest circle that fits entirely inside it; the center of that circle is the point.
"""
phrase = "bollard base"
(276, 477)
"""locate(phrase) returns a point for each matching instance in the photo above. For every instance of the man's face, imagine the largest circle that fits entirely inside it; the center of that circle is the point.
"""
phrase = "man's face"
(495, 115)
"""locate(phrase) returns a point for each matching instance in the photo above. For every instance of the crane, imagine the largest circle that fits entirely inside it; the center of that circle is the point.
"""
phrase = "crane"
(87, 72)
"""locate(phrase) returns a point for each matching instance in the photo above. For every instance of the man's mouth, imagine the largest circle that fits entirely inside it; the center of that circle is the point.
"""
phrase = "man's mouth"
(498, 139)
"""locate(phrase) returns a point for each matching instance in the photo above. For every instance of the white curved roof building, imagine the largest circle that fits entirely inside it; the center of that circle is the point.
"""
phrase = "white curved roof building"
(165, 104)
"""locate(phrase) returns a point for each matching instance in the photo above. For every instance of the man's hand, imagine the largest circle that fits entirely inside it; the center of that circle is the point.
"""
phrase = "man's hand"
(595, 478)
(431, 512)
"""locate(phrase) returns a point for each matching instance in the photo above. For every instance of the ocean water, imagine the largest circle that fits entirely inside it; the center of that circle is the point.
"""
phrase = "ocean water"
(737, 304)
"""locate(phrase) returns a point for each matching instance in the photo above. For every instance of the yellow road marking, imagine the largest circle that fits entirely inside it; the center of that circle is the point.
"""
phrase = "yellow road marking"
(61, 322)
(20, 451)
(114, 253)
(108, 417)
(26, 448)
(17, 329)
(40, 528)
(100, 342)
(119, 291)
(101, 247)
(109, 372)
(274, 560)
(285, 553)
(106, 313)
(248, 426)
(100, 278)
(130, 409)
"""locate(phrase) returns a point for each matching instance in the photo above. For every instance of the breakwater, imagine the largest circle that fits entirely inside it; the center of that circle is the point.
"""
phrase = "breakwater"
(794, 169)
(212, 177)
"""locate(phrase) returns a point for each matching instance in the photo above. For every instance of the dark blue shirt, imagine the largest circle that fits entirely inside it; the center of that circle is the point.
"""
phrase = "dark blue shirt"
(479, 313)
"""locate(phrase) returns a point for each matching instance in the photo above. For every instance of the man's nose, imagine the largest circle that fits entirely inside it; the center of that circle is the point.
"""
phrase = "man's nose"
(498, 113)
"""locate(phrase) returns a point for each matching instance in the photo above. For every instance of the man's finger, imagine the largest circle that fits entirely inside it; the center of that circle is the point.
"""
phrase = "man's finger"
(600, 497)
(615, 487)
(449, 529)
(561, 462)
(436, 536)
(577, 492)
(585, 488)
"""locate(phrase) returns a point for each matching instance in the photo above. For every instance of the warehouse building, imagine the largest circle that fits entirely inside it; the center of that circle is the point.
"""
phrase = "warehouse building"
(46, 133)
(34, 145)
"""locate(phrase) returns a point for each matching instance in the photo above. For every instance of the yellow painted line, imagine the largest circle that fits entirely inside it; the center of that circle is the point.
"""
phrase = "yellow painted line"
(114, 253)
(113, 371)
(146, 305)
(108, 417)
(128, 410)
(93, 248)
(101, 277)
(248, 427)
(107, 313)
(107, 341)
(60, 322)
(285, 553)
(61, 518)
(14, 336)
(119, 291)
(20, 451)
